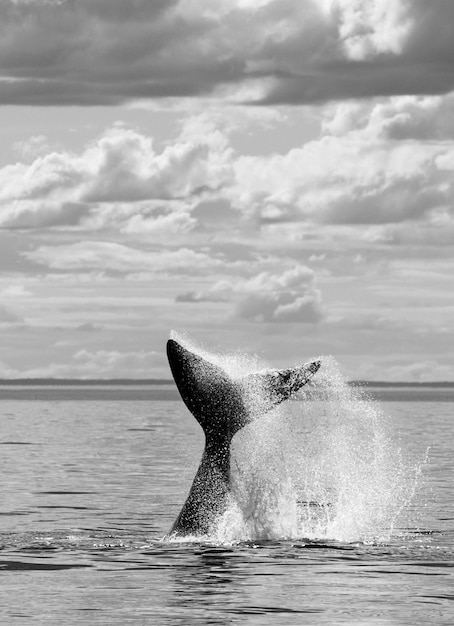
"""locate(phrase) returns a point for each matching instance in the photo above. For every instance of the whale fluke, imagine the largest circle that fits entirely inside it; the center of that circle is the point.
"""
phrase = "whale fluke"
(222, 406)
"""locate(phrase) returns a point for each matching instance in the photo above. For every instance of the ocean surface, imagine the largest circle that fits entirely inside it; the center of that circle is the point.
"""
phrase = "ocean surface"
(345, 514)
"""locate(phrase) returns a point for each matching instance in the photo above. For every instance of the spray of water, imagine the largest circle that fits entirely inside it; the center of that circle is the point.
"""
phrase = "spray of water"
(324, 465)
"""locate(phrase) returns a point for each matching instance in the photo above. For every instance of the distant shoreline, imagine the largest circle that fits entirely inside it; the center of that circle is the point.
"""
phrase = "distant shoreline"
(79, 382)
(83, 382)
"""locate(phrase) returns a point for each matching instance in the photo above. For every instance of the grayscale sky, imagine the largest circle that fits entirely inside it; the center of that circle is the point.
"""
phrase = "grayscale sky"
(273, 176)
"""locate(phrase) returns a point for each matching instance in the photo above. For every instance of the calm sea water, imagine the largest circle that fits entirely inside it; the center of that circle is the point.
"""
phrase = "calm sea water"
(92, 479)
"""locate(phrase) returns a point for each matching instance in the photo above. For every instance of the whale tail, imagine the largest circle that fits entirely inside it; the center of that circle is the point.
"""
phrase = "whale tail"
(223, 405)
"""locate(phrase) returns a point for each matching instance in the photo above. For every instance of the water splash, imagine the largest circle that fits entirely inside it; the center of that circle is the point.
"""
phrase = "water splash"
(326, 466)
(237, 364)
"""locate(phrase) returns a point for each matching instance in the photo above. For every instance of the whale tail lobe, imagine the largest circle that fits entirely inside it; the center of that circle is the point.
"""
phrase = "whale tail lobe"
(224, 405)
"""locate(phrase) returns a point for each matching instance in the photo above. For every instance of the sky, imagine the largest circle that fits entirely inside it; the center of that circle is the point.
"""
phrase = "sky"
(272, 177)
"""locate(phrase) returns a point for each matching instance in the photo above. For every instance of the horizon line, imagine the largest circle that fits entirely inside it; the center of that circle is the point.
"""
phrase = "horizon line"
(168, 381)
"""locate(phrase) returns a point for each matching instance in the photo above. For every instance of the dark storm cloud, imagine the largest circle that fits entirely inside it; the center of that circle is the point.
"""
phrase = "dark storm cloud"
(104, 53)
(423, 65)
(345, 79)
(93, 52)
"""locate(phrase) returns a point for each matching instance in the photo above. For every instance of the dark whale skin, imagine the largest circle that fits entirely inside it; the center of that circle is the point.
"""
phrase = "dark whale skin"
(222, 406)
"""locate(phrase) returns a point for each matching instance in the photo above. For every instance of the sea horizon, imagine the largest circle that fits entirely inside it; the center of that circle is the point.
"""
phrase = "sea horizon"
(168, 381)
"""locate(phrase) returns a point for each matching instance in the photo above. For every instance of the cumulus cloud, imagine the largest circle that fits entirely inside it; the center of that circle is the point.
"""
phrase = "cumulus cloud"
(406, 118)
(371, 27)
(118, 177)
(375, 163)
(290, 296)
(284, 306)
(368, 167)
(112, 51)
(33, 147)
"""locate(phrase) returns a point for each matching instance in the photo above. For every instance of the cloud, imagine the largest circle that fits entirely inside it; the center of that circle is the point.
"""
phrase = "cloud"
(437, 232)
(381, 162)
(287, 297)
(378, 49)
(110, 363)
(420, 118)
(98, 364)
(114, 257)
(109, 52)
(191, 296)
(369, 166)
(126, 168)
(286, 307)
(33, 147)
(88, 327)
(15, 291)
(161, 225)
(8, 317)
(419, 371)
(290, 297)
(368, 28)
(117, 180)
(213, 295)
(369, 322)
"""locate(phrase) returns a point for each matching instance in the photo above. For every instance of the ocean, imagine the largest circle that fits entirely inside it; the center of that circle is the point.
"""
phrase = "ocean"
(345, 512)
